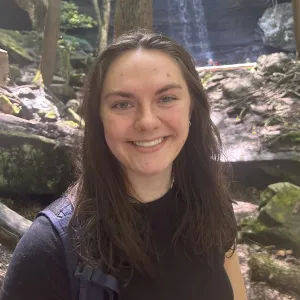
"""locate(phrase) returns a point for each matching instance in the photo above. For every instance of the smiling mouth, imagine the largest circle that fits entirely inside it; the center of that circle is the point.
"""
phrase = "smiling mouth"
(149, 144)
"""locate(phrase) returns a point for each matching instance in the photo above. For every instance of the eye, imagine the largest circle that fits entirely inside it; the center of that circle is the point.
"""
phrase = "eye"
(122, 105)
(167, 99)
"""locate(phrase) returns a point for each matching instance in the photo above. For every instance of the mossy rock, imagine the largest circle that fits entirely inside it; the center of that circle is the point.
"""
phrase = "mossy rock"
(63, 65)
(278, 222)
(77, 79)
(80, 60)
(68, 123)
(14, 72)
(32, 164)
(76, 44)
(12, 42)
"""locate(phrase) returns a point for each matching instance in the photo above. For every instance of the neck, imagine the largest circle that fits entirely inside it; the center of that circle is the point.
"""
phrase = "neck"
(149, 188)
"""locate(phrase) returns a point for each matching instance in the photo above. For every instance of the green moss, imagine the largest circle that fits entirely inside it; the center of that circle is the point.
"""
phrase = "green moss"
(32, 164)
(7, 107)
(75, 117)
(69, 123)
(280, 207)
(10, 41)
(24, 136)
(206, 78)
(50, 115)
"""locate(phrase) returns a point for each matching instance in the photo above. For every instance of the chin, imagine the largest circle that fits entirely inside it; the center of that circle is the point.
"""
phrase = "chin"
(154, 171)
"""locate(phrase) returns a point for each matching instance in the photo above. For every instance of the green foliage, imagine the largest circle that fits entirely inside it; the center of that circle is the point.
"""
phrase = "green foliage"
(71, 18)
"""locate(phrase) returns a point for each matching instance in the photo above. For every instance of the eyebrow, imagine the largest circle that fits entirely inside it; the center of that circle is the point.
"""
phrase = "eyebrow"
(130, 95)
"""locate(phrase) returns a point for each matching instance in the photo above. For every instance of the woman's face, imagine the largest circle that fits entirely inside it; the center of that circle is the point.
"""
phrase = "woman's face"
(145, 109)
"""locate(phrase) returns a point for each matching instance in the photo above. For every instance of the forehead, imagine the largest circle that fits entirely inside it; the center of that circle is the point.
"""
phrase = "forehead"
(143, 66)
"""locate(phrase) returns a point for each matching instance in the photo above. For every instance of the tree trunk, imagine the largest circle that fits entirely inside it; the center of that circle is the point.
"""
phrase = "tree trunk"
(296, 12)
(51, 36)
(103, 22)
(132, 14)
(98, 19)
(12, 226)
(276, 273)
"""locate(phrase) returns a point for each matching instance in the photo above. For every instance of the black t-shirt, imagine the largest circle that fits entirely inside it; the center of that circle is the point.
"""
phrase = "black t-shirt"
(38, 271)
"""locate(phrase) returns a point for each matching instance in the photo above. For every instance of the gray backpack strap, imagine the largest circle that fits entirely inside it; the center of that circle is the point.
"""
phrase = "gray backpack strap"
(86, 283)
(95, 284)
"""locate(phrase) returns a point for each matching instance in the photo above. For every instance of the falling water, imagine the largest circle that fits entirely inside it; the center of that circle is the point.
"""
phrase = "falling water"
(187, 24)
(202, 28)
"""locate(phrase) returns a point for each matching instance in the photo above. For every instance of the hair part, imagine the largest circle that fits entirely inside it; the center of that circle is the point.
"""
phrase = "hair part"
(110, 231)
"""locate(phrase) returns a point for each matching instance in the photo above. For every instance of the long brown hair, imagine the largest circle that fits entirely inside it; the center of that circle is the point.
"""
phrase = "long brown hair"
(110, 230)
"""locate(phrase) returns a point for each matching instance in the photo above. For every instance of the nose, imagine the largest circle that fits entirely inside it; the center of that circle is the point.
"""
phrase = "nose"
(147, 120)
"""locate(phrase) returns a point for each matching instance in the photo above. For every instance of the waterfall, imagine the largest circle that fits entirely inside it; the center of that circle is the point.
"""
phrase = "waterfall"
(187, 25)
(202, 28)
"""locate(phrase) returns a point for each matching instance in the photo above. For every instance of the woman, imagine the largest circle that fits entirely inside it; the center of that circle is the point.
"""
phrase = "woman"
(151, 205)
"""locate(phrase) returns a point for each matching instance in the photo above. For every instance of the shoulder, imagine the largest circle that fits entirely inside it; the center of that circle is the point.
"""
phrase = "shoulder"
(38, 257)
(58, 213)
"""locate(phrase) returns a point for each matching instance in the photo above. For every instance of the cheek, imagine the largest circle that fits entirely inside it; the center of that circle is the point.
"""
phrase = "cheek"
(114, 129)
(180, 120)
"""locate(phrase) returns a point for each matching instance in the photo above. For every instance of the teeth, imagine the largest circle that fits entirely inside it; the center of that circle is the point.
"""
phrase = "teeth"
(149, 144)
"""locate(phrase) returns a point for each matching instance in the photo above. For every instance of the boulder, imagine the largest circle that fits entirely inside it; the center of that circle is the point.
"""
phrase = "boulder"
(36, 10)
(277, 26)
(34, 157)
(77, 44)
(14, 73)
(80, 60)
(12, 42)
(239, 87)
(77, 78)
(62, 90)
(278, 221)
(36, 104)
(275, 62)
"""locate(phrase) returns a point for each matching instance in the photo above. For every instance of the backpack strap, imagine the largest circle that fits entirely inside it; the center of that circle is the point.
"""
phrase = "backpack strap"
(59, 218)
(91, 279)
(86, 283)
